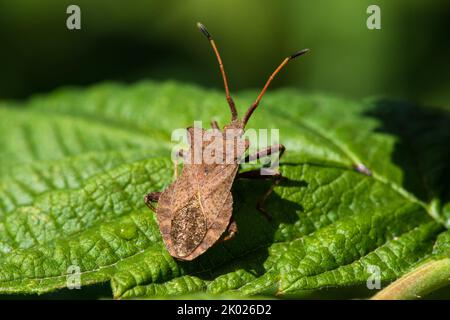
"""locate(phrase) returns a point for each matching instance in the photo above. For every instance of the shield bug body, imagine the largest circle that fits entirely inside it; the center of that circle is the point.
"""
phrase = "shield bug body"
(196, 209)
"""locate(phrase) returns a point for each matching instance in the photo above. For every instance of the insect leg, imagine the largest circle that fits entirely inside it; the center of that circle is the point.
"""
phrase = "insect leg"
(260, 205)
(214, 125)
(231, 230)
(175, 166)
(269, 174)
(256, 174)
(150, 198)
(266, 152)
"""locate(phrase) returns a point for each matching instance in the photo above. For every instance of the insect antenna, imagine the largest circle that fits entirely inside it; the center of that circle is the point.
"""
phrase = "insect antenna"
(222, 70)
(258, 99)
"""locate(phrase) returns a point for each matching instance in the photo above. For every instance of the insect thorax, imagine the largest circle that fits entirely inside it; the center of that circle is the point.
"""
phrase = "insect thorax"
(214, 146)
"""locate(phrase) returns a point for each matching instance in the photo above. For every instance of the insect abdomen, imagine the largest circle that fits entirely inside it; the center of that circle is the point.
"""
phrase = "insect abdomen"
(189, 227)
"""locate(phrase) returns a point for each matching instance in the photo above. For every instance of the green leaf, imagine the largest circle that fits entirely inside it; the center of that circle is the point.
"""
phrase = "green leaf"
(75, 165)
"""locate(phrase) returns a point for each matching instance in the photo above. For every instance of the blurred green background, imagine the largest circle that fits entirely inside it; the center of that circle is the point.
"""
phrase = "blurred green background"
(127, 41)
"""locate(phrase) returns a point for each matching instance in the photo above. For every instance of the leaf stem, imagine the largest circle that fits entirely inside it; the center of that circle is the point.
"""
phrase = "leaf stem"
(419, 282)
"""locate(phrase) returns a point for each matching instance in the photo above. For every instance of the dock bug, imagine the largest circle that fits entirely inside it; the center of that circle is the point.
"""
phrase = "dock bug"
(196, 209)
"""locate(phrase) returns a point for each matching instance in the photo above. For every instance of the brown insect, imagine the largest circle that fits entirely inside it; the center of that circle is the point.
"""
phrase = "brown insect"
(196, 209)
